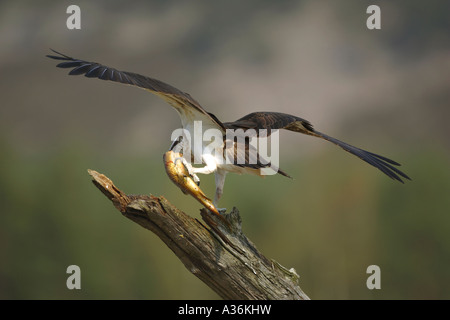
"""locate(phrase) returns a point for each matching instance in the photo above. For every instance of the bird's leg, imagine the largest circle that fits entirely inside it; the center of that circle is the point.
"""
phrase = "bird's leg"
(204, 170)
(210, 167)
(220, 181)
(177, 144)
(189, 168)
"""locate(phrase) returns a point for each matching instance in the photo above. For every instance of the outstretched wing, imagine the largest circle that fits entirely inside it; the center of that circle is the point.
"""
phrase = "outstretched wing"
(188, 108)
(276, 120)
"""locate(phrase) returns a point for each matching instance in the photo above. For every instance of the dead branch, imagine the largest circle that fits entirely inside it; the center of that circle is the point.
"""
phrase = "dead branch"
(219, 255)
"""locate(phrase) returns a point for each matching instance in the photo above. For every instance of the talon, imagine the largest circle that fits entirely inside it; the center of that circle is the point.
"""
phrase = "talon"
(183, 161)
(222, 210)
(185, 164)
(189, 169)
(196, 179)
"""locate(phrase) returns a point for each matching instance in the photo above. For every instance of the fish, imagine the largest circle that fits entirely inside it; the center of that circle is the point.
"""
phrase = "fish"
(179, 175)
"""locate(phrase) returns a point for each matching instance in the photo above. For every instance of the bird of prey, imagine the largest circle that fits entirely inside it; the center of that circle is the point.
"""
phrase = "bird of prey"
(191, 111)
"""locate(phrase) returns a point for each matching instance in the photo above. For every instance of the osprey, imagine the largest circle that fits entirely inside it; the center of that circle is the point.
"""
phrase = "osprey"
(190, 111)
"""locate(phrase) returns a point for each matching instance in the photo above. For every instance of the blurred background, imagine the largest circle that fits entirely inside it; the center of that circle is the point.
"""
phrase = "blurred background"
(385, 90)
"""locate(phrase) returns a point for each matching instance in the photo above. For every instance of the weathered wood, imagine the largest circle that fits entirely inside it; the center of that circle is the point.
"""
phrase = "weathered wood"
(221, 256)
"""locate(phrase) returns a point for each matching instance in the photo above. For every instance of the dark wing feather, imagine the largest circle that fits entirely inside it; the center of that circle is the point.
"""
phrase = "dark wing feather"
(269, 121)
(175, 97)
(382, 163)
(276, 120)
